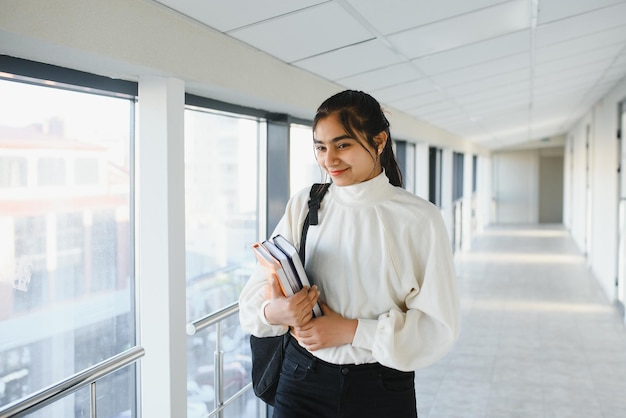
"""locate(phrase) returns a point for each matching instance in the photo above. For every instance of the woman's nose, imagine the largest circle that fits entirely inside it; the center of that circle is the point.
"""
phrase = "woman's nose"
(331, 157)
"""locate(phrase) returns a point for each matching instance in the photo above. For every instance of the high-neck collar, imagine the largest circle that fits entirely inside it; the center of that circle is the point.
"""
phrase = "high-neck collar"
(366, 193)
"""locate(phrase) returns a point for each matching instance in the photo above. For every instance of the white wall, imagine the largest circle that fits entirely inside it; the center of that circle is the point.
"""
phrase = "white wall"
(576, 174)
(603, 181)
(515, 186)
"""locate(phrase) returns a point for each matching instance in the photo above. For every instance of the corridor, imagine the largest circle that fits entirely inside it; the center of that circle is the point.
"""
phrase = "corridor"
(539, 337)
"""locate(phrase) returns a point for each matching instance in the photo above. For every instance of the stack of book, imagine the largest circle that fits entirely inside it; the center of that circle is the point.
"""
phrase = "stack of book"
(281, 258)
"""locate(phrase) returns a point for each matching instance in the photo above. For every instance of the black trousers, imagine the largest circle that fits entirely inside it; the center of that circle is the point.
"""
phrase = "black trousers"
(309, 387)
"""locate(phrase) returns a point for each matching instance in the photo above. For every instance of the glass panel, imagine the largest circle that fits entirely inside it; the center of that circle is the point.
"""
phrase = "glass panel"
(303, 168)
(409, 175)
(115, 394)
(237, 365)
(76, 404)
(66, 281)
(246, 406)
(221, 221)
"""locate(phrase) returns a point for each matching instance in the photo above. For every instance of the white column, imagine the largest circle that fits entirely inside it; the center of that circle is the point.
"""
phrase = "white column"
(421, 169)
(468, 227)
(446, 188)
(161, 247)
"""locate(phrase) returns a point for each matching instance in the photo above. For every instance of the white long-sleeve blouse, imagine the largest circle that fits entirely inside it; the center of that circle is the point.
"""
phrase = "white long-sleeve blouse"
(380, 255)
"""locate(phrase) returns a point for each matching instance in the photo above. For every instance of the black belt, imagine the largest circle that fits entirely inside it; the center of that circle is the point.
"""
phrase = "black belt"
(304, 357)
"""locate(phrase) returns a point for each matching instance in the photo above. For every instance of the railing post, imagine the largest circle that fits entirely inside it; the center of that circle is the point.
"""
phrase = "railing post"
(219, 367)
(94, 412)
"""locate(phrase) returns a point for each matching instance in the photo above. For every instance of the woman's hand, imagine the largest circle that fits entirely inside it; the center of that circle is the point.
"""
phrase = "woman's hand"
(330, 330)
(293, 311)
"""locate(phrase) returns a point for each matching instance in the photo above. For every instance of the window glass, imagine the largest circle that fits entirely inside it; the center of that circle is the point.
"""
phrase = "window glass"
(221, 224)
(221, 201)
(51, 172)
(409, 173)
(66, 281)
(12, 171)
(303, 168)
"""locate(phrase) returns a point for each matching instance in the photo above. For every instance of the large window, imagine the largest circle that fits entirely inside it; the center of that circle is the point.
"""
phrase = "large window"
(303, 167)
(221, 224)
(66, 259)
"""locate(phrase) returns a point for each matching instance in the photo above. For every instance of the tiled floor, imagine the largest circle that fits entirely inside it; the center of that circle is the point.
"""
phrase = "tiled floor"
(539, 338)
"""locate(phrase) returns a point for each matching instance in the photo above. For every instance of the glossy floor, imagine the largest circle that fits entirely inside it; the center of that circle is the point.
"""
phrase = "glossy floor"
(539, 340)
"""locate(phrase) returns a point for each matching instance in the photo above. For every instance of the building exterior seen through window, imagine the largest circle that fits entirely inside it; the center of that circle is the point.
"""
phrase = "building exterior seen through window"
(66, 274)
(221, 224)
(303, 167)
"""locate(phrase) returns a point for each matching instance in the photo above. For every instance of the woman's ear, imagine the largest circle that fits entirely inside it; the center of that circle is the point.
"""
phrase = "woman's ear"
(381, 141)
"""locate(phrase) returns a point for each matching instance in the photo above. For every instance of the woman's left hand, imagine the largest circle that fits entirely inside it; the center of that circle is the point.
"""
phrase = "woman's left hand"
(329, 330)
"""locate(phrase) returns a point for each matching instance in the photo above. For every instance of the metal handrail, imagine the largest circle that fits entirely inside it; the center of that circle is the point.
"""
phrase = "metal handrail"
(73, 383)
(212, 318)
(215, 318)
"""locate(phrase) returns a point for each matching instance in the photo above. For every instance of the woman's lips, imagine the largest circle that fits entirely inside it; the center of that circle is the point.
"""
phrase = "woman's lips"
(335, 173)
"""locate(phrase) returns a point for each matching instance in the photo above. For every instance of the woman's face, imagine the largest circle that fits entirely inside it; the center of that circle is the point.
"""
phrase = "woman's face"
(346, 159)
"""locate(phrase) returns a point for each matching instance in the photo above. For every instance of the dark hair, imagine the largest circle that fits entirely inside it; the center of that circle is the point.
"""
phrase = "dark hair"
(359, 112)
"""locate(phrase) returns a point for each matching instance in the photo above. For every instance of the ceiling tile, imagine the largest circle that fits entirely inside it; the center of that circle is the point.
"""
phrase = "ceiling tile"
(468, 55)
(581, 25)
(572, 76)
(382, 77)
(304, 33)
(593, 58)
(466, 29)
(613, 39)
(418, 100)
(351, 60)
(490, 94)
(558, 9)
(488, 83)
(404, 90)
(484, 70)
(237, 13)
(396, 15)
(433, 109)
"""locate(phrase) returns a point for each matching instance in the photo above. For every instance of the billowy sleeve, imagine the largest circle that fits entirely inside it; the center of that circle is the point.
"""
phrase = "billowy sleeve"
(424, 332)
(256, 290)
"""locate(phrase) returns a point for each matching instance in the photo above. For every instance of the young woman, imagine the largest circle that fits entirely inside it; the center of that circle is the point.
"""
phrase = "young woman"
(381, 262)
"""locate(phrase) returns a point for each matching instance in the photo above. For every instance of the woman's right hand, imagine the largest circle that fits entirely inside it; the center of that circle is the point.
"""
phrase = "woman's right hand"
(293, 311)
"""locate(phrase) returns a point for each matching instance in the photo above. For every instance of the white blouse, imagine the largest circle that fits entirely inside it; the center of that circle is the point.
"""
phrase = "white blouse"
(380, 255)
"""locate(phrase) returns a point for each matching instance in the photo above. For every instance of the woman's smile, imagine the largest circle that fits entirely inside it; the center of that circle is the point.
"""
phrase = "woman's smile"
(335, 173)
(347, 159)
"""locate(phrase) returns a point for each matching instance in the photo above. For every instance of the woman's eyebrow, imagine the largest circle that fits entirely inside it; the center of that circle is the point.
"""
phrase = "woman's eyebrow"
(338, 138)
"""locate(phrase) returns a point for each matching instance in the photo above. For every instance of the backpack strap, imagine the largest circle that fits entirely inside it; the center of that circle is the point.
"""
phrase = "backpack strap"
(318, 190)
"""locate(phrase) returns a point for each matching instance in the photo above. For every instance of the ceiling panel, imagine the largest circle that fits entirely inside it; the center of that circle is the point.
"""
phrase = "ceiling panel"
(484, 70)
(476, 53)
(461, 30)
(403, 90)
(582, 44)
(382, 77)
(522, 87)
(554, 9)
(393, 16)
(488, 83)
(581, 25)
(304, 39)
(236, 13)
(351, 60)
(433, 109)
(417, 100)
(601, 58)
